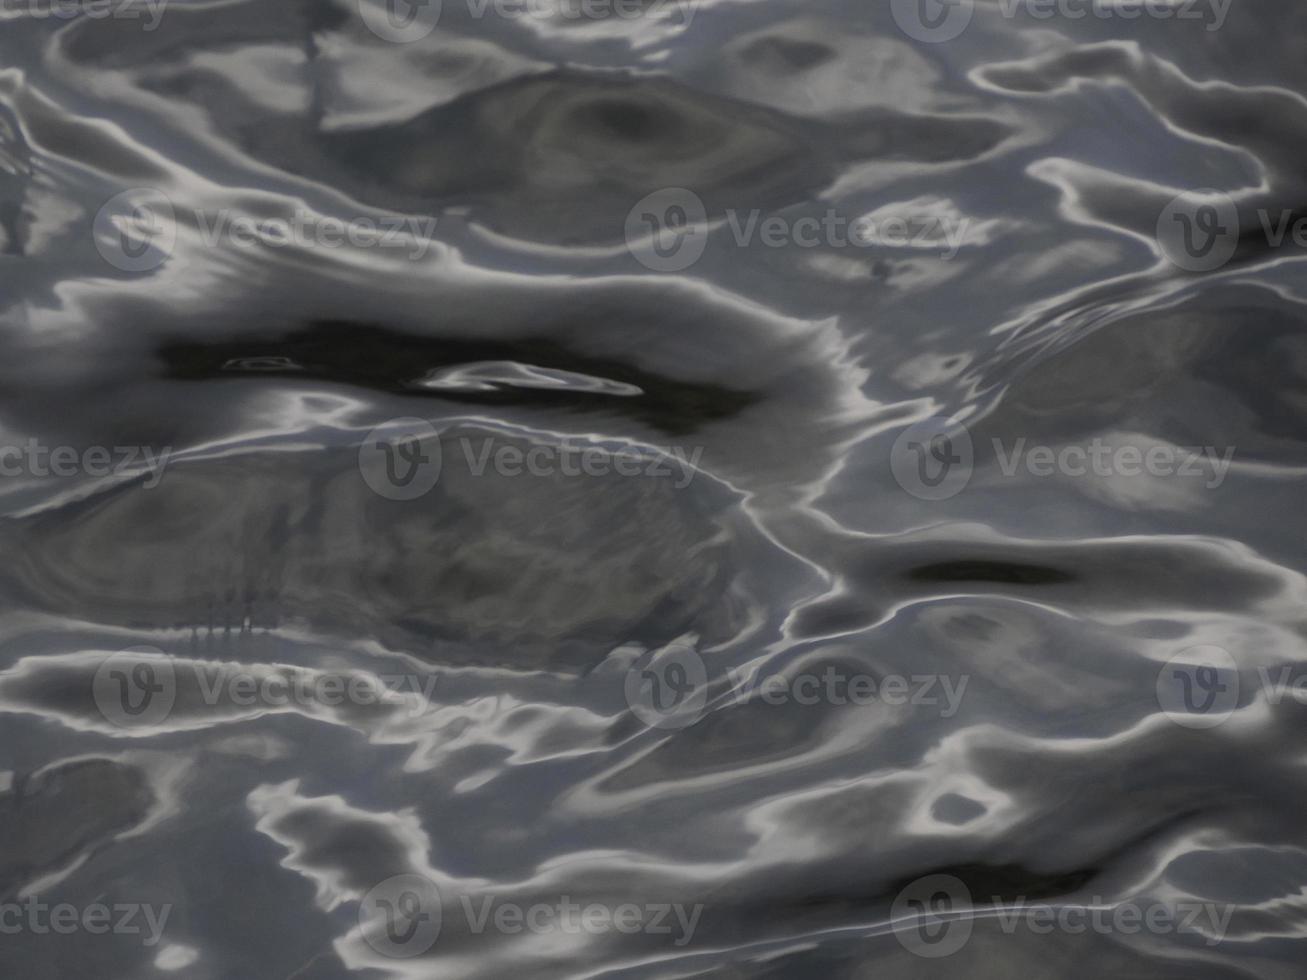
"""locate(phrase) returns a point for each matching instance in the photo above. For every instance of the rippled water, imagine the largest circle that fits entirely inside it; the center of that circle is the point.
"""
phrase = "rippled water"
(738, 488)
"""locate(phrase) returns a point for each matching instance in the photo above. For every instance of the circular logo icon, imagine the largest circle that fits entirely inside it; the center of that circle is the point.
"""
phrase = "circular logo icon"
(668, 688)
(400, 459)
(1199, 687)
(400, 21)
(400, 917)
(667, 231)
(933, 459)
(136, 230)
(932, 916)
(135, 688)
(932, 21)
(1199, 230)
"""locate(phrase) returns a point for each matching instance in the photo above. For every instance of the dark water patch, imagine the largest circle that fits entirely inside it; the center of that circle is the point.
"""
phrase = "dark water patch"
(375, 357)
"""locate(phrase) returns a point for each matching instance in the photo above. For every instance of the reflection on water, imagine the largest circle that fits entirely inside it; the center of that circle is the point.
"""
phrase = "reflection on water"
(661, 489)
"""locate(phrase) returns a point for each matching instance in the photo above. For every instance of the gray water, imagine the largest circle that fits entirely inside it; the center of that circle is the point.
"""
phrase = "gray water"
(739, 488)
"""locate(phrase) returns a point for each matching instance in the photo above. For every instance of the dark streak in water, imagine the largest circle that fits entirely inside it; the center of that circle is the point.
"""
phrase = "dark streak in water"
(385, 360)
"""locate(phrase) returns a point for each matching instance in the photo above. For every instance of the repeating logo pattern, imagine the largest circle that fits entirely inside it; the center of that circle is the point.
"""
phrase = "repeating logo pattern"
(1199, 687)
(932, 21)
(1199, 230)
(667, 231)
(401, 459)
(932, 917)
(136, 230)
(400, 918)
(933, 459)
(668, 688)
(400, 21)
(135, 688)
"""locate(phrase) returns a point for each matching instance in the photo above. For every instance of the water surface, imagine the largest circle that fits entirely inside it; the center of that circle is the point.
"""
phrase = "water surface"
(602, 265)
